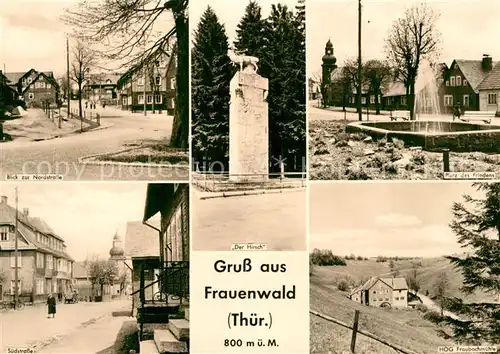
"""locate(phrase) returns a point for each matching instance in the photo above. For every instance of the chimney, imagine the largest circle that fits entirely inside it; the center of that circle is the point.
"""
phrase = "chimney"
(26, 212)
(4, 199)
(487, 62)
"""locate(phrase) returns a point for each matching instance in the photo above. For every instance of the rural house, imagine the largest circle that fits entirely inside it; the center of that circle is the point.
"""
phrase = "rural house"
(44, 265)
(489, 91)
(382, 292)
(101, 88)
(151, 83)
(81, 280)
(462, 83)
(36, 88)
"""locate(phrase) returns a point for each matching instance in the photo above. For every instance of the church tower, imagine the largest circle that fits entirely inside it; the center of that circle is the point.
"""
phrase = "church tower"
(329, 64)
(117, 254)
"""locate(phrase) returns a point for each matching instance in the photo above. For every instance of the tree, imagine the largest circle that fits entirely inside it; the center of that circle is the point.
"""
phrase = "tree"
(378, 75)
(63, 84)
(100, 273)
(350, 79)
(123, 27)
(442, 284)
(251, 32)
(211, 73)
(411, 39)
(476, 223)
(83, 60)
(413, 278)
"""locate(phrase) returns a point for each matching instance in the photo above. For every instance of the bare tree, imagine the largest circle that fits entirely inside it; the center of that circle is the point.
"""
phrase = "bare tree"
(442, 285)
(350, 78)
(63, 80)
(124, 26)
(411, 39)
(378, 75)
(83, 60)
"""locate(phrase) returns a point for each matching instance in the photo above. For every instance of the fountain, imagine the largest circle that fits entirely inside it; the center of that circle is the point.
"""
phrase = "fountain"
(433, 131)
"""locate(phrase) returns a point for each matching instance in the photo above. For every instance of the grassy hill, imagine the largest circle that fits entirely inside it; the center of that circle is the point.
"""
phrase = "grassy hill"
(405, 328)
(429, 272)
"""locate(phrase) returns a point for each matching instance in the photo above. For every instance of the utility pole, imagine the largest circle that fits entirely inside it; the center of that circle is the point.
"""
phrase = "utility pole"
(69, 83)
(360, 113)
(144, 66)
(16, 260)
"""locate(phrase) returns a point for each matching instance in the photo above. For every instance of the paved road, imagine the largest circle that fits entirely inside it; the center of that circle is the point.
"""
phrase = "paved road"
(278, 220)
(31, 327)
(60, 156)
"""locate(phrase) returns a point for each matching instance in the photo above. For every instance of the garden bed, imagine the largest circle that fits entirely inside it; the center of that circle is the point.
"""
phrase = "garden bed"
(148, 153)
(337, 155)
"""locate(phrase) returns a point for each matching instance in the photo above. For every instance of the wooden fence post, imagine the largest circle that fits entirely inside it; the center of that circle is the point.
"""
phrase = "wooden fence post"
(354, 330)
(446, 160)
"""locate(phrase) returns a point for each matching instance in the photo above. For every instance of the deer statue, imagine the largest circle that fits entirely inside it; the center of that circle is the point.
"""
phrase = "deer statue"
(244, 61)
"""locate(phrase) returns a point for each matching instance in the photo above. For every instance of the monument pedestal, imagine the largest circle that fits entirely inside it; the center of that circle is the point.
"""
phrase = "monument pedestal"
(248, 127)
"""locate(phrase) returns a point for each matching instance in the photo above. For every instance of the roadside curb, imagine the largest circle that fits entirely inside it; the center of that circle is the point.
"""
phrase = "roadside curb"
(248, 193)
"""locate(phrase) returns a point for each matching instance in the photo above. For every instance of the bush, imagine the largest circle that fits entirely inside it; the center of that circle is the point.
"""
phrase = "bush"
(434, 317)
(343, 285)
(360, 258)
(381, 259)
(325, 258)
(398, 143)
(421, 307)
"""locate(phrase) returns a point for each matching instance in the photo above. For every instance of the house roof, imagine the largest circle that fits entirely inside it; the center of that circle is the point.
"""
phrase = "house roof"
(396, 89)
(394, 283)
(14, 77)
(473, 71)
(26, 225)
(44, 75)
(101, 79)
(79, 270)
(141, 241)
(492, 80)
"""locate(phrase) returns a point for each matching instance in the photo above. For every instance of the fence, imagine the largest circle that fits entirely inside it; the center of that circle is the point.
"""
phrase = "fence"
(221, 181)
(91, 118)
(355, 330)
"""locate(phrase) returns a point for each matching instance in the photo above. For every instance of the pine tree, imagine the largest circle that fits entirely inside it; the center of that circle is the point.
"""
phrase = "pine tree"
(211, 73)
(287, 89)
(250, 32)
(477, 226)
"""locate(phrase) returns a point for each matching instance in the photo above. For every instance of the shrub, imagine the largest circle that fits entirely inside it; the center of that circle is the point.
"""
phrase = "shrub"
(343, 285)
(421, 307)
(360, 258)
(381, 259)
(398, 143)
(325, 258)
(434, 317)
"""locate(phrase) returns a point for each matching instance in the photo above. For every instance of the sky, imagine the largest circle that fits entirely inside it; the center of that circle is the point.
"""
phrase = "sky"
(32, 36)
(230, 12)
(85, 215)
(389, 219)
(469, 28)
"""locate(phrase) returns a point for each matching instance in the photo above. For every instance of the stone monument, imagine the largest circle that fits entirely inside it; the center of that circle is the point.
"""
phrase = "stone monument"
(248, 123)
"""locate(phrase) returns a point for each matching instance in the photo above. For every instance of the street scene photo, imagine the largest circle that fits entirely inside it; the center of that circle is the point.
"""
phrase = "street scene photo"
(101, 94)
(248, 125)
(399, 90)
(392, 272)
(107, 271)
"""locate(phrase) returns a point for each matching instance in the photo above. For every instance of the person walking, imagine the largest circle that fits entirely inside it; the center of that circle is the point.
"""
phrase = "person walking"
(51, 304)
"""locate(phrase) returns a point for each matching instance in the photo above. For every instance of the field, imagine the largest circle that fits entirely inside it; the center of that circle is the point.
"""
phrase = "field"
(336, 155)
(405, 328)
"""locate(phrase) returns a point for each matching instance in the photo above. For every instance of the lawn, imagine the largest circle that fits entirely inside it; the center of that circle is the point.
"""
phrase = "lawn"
(337, 155)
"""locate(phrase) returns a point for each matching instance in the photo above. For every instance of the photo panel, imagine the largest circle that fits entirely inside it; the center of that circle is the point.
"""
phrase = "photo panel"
(393, 93)
(104, 94)
(393, 271)
(79, 260)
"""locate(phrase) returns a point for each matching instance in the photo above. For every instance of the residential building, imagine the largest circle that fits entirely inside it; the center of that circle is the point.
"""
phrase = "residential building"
(382, 292)
(101, 88)
(150, 84)
(489, 91)
(35, 88)
(171, 201)
(462, 83)
(314, 89)
(7, 93)
(44, 265)
(81, 280)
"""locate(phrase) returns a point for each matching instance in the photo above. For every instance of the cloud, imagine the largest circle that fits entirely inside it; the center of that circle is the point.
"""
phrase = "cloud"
(397, 220)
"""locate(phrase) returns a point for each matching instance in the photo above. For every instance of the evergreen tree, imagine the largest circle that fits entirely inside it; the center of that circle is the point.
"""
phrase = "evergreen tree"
(285, 55)
(477, 226)
(210, 76)
(250, 32)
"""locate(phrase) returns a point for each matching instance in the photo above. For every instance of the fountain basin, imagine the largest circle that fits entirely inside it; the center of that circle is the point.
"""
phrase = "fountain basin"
(435, 135)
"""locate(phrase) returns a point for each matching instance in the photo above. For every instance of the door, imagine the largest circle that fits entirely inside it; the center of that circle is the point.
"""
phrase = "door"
(367, 296)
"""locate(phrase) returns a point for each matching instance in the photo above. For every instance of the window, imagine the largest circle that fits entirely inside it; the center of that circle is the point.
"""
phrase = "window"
(448, 100)
(40, 260)
(13, 287)
(140, 99)
(363, 100)
(447, 83)
(157, 80)
(466, 100)
(403, 100)
(124, 100)
(459, 81)
(492, 98)
(4, 233)
(50, 261)
(37, 237)
(172, 83)
(150, 99)
(396, 298)
(158, 99)
(372, 99)
(380, 299)
(452, 81)
(157, 63)
(30, 80)
(40, 286)
(402, 298)
(13, 260)
(172, 103)
(465, 83)
(140, 81)
(386, 299)
(24, 82)
(374, 291)
(31, 95)
(48, 86)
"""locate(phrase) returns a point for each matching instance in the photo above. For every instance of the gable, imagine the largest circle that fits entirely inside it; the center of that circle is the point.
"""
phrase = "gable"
(492, 80)
(472, 71)
(39, 77)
